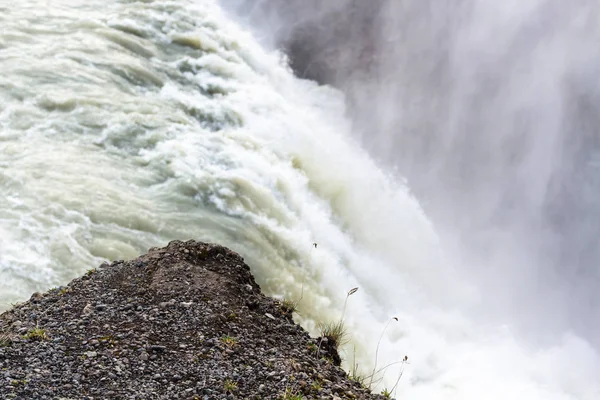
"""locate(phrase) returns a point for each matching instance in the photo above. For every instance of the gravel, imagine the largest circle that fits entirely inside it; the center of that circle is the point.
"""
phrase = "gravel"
(187, 321)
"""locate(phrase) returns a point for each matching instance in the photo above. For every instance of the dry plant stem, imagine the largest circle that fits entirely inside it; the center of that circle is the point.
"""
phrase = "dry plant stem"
(395, 387)
(350, 293)
(377, 350)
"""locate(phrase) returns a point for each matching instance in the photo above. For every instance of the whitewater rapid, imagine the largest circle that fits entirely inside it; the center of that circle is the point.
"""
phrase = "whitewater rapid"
(124, 125)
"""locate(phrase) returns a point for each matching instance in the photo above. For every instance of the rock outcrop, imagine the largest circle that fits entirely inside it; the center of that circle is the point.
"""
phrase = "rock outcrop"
(187, 321)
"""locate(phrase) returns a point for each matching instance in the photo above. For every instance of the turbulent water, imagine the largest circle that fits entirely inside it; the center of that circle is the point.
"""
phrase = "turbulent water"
(126, 124)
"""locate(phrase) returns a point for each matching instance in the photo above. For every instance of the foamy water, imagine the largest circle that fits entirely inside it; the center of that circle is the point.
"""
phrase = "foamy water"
(124, 125)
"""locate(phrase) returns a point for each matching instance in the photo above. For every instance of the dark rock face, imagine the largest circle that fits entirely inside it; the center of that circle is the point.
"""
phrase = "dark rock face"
(328, 42)
(183, 322)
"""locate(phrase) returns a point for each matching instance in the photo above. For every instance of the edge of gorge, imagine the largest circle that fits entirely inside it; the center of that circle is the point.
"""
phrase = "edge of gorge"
(187, 321)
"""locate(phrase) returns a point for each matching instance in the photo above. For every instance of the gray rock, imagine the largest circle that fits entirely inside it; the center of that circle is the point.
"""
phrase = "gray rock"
(151, 334)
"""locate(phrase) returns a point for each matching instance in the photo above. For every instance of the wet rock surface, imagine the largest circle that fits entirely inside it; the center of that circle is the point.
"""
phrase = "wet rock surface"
(187, 321)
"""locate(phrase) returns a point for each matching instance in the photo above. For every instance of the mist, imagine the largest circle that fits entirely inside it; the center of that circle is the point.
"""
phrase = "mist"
(489, 110)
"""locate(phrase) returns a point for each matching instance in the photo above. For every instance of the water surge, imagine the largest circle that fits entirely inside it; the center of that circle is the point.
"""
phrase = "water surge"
(124, 125)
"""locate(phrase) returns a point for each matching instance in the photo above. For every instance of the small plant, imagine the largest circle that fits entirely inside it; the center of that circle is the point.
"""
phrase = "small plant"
(334, 331)
(386, 393)
(289, 306)
(230, 386)
(232, 316)
(200, 356)
(5, 340)
(354, 373)
(63, 291)
(292, 395)
(358, 378)
(90, 271)
(316, 385)
(229, 341)
(108, 340)
(36, 334)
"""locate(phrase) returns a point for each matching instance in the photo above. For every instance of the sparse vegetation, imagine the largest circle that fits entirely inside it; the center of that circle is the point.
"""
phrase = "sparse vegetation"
(5, 340)
(229, 341)
(108, 340)
(201, 356)
(288, 306)
(316, 385)
(291, 306)
(358, 378)
(145, 322)
(334, 331)
(36, 334)
(354, 373)
(377, 349)
(230, 386)
(292, 395)
(404, 362)
(337, 333)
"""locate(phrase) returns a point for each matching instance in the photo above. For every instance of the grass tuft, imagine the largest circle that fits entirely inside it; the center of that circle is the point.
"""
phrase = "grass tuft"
(36, 334)
(230, 386)
(292, 395)
(288, 306)
(291, 306)
(5, 340)
(229, 341)
(334, 331)
(316, 385)
(232, 316)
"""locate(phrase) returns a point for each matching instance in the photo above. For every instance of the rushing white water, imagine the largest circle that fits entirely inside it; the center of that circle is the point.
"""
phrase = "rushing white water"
(125, 124)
